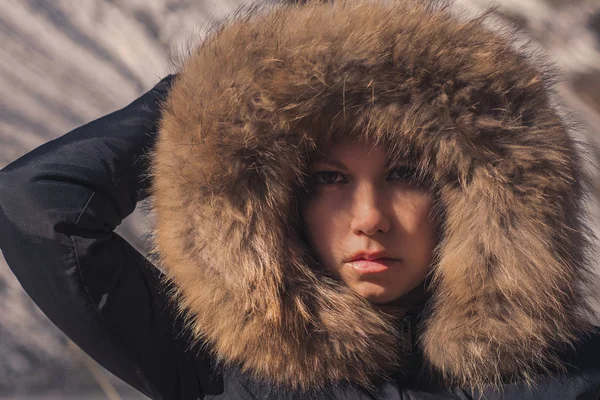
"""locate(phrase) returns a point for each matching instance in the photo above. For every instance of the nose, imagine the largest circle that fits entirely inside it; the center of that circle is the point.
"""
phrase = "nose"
(368, 216)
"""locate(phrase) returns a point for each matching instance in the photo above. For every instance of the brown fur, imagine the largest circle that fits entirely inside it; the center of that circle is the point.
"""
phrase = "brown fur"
(268, 89)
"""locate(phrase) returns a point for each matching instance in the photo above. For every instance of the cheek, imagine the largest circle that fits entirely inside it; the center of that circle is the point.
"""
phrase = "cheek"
(414, 216)
(413, 211)
(322, 224)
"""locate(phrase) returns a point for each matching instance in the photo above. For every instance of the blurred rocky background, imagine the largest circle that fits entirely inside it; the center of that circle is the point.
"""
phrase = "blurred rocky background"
(67, 62)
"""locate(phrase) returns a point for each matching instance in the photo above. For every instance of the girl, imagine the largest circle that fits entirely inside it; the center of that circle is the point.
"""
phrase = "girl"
(354, 200)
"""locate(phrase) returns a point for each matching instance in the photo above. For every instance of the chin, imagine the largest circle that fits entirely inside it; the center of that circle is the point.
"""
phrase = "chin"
(377, 294)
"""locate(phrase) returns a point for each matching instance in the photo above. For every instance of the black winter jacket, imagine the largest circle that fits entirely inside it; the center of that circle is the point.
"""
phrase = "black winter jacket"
(60, 204)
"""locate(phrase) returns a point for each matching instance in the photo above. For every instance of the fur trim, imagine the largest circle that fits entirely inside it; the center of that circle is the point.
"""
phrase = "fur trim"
(270, 87)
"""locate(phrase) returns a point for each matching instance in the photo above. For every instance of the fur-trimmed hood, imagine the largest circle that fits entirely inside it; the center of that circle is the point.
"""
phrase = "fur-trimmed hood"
(271, 86)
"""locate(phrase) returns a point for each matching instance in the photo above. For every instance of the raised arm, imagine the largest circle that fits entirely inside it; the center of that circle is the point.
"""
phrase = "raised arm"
(59, 205)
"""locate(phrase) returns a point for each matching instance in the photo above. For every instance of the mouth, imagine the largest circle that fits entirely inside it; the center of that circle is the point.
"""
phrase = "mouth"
(379, 265)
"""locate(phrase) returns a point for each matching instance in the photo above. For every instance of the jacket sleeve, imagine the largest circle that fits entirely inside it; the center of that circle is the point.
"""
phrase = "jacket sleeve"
(59, 206)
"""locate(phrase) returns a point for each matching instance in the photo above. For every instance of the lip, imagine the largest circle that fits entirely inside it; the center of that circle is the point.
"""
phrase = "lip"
(368, 255)
(363, 266)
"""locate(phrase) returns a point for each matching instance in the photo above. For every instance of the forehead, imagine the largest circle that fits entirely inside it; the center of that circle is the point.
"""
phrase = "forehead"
(348, 151)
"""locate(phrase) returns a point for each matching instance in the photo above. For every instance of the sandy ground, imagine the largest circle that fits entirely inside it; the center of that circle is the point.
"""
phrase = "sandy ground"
(65, 63)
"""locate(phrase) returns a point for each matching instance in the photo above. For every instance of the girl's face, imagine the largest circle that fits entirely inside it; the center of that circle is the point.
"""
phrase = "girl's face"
(370, 225)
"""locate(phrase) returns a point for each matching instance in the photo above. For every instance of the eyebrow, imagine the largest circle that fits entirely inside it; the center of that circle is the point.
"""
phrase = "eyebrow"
(324, 160)
(329, 161)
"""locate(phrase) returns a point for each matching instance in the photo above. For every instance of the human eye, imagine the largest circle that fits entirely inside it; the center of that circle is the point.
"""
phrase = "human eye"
(404, 173)
(327, 177)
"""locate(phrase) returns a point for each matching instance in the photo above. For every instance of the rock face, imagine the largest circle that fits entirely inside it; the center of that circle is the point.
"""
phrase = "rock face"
(66, 63)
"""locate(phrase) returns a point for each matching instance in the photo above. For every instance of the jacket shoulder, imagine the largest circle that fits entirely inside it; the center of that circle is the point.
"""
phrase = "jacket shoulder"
(585, 356)
(580, 378)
